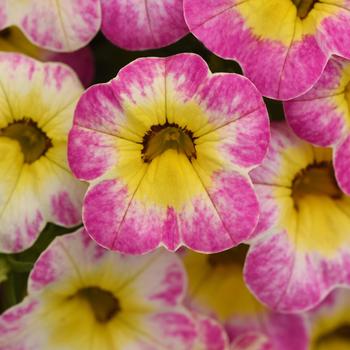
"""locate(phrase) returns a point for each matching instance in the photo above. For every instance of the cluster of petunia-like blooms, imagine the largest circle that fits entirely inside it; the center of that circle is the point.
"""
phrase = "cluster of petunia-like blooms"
(205, 226)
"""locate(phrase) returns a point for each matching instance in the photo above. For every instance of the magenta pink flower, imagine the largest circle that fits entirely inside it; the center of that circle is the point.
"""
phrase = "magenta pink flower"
(61, 25)
(322, 116)
(302, 248)
(37, 102)
(141, 25)
(81, 296)
(167, 147)
(282, 45)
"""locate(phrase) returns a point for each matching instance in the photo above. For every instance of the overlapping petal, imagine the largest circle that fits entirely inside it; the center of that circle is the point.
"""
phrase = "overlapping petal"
(13, 40)
(62, 25)
(154, 23)
(206, 202)
(42, 96)
(301, 250)
(322, 115)
(282, 50)
(149, 290)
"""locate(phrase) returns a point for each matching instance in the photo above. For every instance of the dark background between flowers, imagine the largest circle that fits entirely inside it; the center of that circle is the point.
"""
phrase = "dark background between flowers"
(109, 59)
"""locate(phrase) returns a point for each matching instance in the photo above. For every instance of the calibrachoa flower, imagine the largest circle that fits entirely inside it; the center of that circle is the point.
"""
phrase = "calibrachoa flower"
(62, 25)
(167, 147)
(217, 289)
(37, 101)
(282, 45)
(329, 323)
(302, 249)
(81, 296)
(141, 25)
(13, 40)
(322, 116)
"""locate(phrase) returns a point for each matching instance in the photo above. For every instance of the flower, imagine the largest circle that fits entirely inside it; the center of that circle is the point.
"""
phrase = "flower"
(81, 296)
(154, 24)
(282, 45)
(167, 148)
(301, 249)
(321, 116)
(82, 61)
(37, 101)
(68, 25)
(217, 289)
(329, 322)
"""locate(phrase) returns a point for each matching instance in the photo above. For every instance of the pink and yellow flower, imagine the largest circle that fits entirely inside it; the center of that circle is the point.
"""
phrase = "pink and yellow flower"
(282, 45)
(141, 25)
(322, 116)
(62, 25)
(167, 147)
(82, 61)
(37, 102)
(302, 248)
(217, 289)
(81, 296)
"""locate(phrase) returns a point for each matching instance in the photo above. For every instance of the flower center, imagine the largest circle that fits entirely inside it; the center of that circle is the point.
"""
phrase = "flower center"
(168, 136)
(103, 304)
(339, 335)
(317, 179)
(5, 33)
(33, 141)
(235, 256)
(304, 7)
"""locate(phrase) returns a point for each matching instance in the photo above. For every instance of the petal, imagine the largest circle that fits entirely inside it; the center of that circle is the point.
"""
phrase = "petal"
(20, 223)
(211, 333)
(211, 227)
(333, 31)
(69, 25)
(155, 23)
(61, 195)
(252, 341)
(342, 163)
(168, 329)
(321, 115)
(91, 153)
(17, 327)
(234, 108)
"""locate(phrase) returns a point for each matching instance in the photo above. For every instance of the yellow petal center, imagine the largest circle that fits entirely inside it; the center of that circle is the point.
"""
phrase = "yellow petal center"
(168, 136)
(103, 304)
(318, 180)
(304, 7)
(33, 141)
